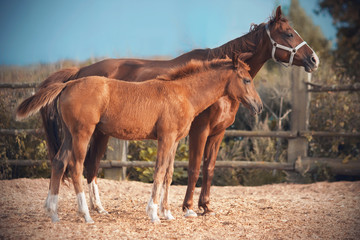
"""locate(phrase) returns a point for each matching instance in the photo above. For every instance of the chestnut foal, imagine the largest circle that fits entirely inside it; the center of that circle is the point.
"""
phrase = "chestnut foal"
(161, 109)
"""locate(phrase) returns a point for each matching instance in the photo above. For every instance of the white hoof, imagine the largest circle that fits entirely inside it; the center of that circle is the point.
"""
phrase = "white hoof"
(89, 220)
(168, 216)
(190, 213)
(151, 210)
(55, 218)
(102, 211)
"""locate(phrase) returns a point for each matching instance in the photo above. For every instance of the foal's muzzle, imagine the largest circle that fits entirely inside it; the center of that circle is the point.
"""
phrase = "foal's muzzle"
(253, 105)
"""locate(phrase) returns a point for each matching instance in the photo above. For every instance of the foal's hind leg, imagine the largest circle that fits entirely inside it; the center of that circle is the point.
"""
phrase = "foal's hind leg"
(58, 167)
(164, 204)
(96, 150)
(81, 139)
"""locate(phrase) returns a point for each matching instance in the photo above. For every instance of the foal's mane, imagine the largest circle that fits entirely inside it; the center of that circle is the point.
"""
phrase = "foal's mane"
(192, 67)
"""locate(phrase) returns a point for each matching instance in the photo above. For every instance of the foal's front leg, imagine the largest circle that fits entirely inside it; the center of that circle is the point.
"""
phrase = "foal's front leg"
(165, 146)
(164, 204)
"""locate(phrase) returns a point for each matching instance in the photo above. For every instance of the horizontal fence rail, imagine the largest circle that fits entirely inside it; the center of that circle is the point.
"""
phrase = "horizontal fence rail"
(302, 165)
(333, 88)
(18, 85)
(119, 164)
(228, 133)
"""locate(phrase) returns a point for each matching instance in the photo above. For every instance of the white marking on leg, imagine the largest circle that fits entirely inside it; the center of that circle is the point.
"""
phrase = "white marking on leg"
(151, 211)
(51, 206)
(95, 202)
(83, 208)
(165, 212)
(190, 213)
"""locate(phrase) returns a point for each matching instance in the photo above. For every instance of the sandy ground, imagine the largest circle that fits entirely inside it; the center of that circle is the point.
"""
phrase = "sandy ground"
(282, 211)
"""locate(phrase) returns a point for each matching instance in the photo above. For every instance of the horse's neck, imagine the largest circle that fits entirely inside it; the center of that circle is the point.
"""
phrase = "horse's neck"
(256, 42)
(205, 88)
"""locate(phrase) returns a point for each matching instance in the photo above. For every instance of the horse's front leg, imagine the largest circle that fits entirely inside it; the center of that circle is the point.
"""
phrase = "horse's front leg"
(197, 140)
(165, 145)
(210, 154)
(94, 154)
(164, 204)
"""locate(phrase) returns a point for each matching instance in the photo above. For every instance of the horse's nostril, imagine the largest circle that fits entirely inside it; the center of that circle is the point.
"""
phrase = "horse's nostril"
(313, 59)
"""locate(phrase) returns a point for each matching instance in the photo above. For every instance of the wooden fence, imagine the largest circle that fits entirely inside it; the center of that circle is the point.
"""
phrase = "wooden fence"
(297, 163)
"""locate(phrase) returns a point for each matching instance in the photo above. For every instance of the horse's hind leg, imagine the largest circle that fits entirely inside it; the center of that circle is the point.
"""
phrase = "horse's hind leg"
(58, 167)
(96, 150)
(81, 139)
(164, 204)
(165, 145)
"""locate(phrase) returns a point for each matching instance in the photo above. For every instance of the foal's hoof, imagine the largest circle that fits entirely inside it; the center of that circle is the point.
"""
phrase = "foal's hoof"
(102, 211)
(208, 213)
(190, 213)
(156, 221)
(55, 219)
(89, 220)
(167, 215)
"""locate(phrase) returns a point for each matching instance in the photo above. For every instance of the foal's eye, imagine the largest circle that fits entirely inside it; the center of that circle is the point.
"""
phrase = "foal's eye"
(246, 81)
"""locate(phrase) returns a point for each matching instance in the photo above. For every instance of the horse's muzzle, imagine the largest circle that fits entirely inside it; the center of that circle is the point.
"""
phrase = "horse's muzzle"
(311, 63)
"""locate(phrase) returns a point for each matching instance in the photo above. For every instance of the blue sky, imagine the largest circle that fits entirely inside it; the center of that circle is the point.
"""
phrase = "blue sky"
(41, 31)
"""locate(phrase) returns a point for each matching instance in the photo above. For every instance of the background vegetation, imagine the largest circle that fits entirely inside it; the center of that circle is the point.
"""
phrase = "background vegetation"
(329, 111)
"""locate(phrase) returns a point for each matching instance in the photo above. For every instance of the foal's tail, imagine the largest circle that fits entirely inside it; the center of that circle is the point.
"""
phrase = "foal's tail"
(49, 113)
(42, 97)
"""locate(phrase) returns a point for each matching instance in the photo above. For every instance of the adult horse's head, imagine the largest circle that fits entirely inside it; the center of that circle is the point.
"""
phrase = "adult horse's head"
(243, 87)
(288, 48)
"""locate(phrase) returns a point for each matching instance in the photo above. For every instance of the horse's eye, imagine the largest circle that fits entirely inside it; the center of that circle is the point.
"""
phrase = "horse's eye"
(290, 35)
(246, 81)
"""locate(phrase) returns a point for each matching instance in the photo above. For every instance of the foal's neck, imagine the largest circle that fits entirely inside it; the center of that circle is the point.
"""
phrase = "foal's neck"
(206, 88)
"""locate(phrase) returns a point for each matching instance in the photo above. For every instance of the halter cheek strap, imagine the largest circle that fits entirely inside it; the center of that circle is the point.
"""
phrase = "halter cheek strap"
(289, 49)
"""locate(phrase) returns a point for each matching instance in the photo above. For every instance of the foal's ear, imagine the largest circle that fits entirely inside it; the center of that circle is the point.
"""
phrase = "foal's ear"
(278, 13)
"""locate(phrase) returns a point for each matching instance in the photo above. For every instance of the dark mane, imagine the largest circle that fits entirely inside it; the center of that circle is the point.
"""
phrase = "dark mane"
(247, 43)
(192, 67)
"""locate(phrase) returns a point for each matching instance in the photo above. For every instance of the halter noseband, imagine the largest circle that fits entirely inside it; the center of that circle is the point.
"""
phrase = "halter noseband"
(277, 45)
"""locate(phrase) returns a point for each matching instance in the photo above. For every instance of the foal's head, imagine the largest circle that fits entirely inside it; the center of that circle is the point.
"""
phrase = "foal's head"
(287, 46)
(242, 86)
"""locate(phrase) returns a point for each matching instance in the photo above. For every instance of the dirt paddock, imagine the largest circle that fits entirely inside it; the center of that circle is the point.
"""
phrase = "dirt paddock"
(282, 211)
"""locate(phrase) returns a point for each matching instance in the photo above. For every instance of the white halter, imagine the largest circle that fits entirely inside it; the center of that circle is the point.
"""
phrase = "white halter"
(277, 45)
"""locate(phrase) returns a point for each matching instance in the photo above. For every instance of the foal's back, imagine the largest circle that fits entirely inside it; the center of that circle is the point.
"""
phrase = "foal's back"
(122, 109)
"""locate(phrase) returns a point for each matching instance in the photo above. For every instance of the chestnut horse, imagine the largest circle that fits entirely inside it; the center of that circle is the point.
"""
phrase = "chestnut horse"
(275, 39)
(155, 109)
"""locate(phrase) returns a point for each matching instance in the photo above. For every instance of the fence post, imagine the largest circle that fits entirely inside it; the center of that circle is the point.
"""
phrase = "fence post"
(298, 146)
(117, 150)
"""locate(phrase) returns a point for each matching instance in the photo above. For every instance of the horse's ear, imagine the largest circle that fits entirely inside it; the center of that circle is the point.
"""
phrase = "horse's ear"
(235, 59)
(245, 56)
(278, 13)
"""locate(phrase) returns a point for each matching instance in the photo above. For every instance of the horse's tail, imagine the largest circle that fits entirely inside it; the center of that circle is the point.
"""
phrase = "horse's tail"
(49, 113)
(42, 97)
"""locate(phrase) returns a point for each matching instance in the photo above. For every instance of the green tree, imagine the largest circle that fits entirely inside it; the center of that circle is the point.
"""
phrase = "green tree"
(307, 29)
(346, 18)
